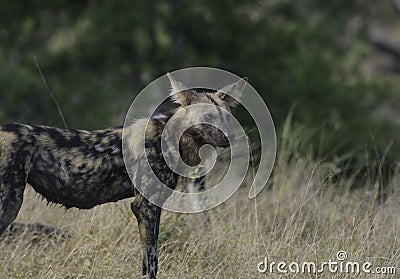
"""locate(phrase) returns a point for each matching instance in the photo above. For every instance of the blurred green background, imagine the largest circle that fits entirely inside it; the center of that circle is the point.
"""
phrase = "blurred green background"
(333, 65)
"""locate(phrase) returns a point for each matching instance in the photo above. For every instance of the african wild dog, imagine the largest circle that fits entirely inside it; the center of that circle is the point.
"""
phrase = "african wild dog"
(82, 169)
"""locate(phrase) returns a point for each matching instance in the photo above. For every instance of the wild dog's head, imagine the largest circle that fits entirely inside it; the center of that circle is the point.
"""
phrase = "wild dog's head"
(206, 113)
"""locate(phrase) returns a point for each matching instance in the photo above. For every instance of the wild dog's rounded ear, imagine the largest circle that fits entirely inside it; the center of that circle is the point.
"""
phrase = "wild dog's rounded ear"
(180, 93)
(231, 93)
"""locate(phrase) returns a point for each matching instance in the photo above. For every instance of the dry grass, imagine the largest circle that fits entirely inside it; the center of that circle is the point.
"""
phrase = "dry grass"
(305, 215)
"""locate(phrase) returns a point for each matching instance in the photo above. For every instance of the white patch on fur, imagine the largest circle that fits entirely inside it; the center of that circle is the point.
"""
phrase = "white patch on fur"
(134, 137)
(115, 150)
(160, 116)
(27, 126)
(99, 148)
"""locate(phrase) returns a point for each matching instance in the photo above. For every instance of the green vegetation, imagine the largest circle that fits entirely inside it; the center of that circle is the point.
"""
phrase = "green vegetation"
(97, 55)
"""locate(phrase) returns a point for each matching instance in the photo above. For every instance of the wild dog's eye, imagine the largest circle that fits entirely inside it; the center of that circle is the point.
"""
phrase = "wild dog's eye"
(208, 117)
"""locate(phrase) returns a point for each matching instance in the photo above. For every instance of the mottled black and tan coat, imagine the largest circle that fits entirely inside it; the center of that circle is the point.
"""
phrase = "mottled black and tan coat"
(82, 169)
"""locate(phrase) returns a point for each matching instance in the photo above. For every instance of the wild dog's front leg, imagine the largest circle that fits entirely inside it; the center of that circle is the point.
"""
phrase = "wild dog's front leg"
(148, 217)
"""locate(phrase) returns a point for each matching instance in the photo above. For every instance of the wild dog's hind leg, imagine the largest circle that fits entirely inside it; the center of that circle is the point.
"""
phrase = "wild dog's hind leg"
(12, 186)
(16, 147)
(148, 217)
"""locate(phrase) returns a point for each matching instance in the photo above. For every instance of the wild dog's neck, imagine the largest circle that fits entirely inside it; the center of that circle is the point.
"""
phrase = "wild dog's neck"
(189, 143)
(189, 149)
